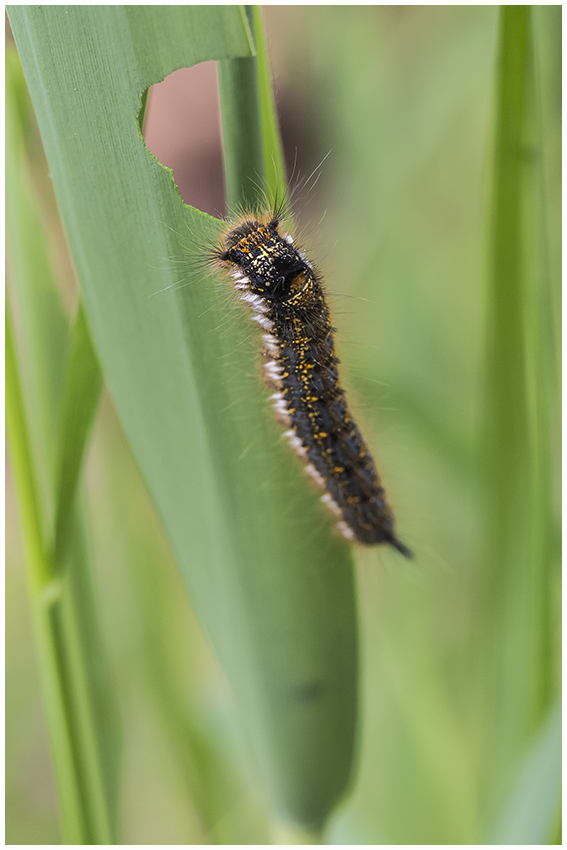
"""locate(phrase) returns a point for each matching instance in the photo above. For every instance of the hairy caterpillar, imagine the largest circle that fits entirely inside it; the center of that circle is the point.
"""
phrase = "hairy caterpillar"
(288, 301)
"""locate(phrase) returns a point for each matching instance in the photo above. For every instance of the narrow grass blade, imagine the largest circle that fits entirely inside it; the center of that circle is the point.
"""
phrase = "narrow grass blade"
(514, 594)
(516, 616)
(532, 812)
(209, 777)
(45, 595)
(41, 571)
(253, 156)
(274, 164)
(40, 324)
(243, 147)
(75, 680)
(83, 383)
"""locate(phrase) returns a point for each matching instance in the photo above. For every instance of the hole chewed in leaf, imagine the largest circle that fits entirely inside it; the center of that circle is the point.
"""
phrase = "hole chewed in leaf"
(182, 129)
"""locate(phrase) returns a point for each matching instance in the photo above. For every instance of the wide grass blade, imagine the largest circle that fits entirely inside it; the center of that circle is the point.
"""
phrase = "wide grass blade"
(272, 584)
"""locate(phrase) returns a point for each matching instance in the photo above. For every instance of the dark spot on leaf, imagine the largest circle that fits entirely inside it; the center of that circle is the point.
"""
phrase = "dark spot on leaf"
(309, 691)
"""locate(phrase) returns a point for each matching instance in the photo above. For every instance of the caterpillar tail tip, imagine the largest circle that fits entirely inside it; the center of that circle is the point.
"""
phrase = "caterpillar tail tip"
(397, 544)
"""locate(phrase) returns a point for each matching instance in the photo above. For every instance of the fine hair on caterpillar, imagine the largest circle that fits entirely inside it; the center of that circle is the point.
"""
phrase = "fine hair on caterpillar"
(288, 301)
(198, 251)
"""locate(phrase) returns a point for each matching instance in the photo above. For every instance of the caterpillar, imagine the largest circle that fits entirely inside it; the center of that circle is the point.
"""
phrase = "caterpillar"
(287, 297)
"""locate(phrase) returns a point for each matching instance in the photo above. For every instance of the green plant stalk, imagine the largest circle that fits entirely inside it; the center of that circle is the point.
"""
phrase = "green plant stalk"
(71, 655)
(209, 780)
(506, 368)
(532, 812)
(252, 150)
(506, 432)
(274, 164)
(40, 567)
(241, 121)
(40, 326)
(542, 379)
(89, 691)
(254, 173)
(513, 596)
(46, 596)
(83, 384)
(79, 706)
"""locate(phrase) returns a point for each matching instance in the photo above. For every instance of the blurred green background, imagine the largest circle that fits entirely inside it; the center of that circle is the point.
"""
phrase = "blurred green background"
(402, 98)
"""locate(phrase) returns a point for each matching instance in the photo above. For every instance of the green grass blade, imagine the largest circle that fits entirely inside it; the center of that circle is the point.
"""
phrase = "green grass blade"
(532, 812)
(41, 571)
(243, 148)
(543, 294)
(275, 176)
(175, 668)
(272, 584)
(514, 595)
(83, 384)
(92, 705)
(73, 672)
(253, 156)
(45, 594)
(210, 779)
(87, 691)
(506, 365)
(40, 324)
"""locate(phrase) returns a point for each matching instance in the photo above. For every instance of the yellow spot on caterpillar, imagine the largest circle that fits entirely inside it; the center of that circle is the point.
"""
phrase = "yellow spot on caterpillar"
(269, 266)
